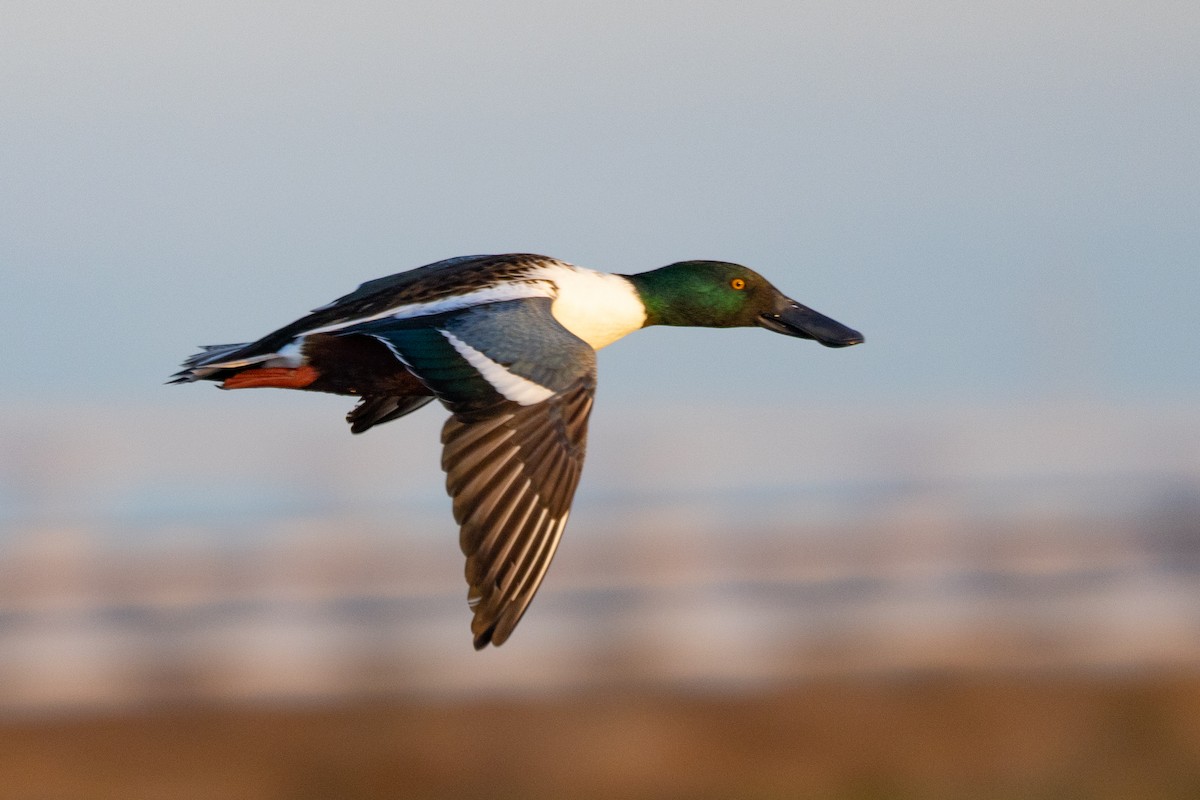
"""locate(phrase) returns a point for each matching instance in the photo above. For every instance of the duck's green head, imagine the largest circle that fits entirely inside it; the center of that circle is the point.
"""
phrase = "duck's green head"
(717, 294)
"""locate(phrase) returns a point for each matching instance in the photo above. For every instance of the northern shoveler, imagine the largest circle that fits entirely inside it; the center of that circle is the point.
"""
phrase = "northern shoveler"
(508, 344)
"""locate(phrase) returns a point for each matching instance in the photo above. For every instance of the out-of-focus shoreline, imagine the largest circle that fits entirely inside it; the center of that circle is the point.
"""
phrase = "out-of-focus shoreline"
(149, 557)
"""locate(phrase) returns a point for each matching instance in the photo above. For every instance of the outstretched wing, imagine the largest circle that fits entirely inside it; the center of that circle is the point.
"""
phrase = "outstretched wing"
(520, 388)
(513, 475)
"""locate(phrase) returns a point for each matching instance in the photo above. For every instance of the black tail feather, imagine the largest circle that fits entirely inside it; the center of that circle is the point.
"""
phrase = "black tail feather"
(372, 411)
(196, 366)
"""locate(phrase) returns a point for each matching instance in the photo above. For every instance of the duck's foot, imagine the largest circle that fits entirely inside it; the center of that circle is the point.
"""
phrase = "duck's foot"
(275, 377)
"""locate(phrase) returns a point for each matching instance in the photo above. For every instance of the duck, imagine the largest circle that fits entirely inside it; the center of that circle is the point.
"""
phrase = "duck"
(507, 344)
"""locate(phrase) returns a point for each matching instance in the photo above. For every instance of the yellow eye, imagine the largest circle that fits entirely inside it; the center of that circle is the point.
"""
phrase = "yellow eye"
(738, 284)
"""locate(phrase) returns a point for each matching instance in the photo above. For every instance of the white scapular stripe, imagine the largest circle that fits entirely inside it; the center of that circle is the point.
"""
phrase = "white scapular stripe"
(492, 294)
(520, 390)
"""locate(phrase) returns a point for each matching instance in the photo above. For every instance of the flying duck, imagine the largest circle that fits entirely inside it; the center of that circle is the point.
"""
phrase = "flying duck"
(507, 343)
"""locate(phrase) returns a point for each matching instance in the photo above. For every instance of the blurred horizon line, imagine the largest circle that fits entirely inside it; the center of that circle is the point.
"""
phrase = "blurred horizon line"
(197, 461)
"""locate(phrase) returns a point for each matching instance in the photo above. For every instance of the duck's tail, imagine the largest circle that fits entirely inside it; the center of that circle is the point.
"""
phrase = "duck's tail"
(216, 361)
(387, 390)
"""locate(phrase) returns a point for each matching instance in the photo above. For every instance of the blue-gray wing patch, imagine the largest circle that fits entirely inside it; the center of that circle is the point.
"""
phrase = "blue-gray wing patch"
(511, 351)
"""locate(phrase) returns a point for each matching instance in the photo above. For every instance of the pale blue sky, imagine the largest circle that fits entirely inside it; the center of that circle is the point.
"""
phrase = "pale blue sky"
(1004, 197)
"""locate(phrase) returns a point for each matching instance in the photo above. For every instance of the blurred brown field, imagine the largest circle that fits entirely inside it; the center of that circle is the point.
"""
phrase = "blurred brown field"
(923, 736)
(1012, 615)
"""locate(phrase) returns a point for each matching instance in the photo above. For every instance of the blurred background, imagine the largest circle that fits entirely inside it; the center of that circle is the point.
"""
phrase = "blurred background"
(958, 561)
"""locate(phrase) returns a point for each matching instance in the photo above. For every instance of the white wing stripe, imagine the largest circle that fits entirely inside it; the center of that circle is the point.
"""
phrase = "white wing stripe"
(492, 294)
(513, 387)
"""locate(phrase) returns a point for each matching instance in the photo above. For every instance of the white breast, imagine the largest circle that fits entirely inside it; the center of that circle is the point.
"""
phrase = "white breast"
(595, 306)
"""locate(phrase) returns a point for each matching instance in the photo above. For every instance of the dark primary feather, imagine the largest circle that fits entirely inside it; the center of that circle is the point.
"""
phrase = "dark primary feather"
(512, 474)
